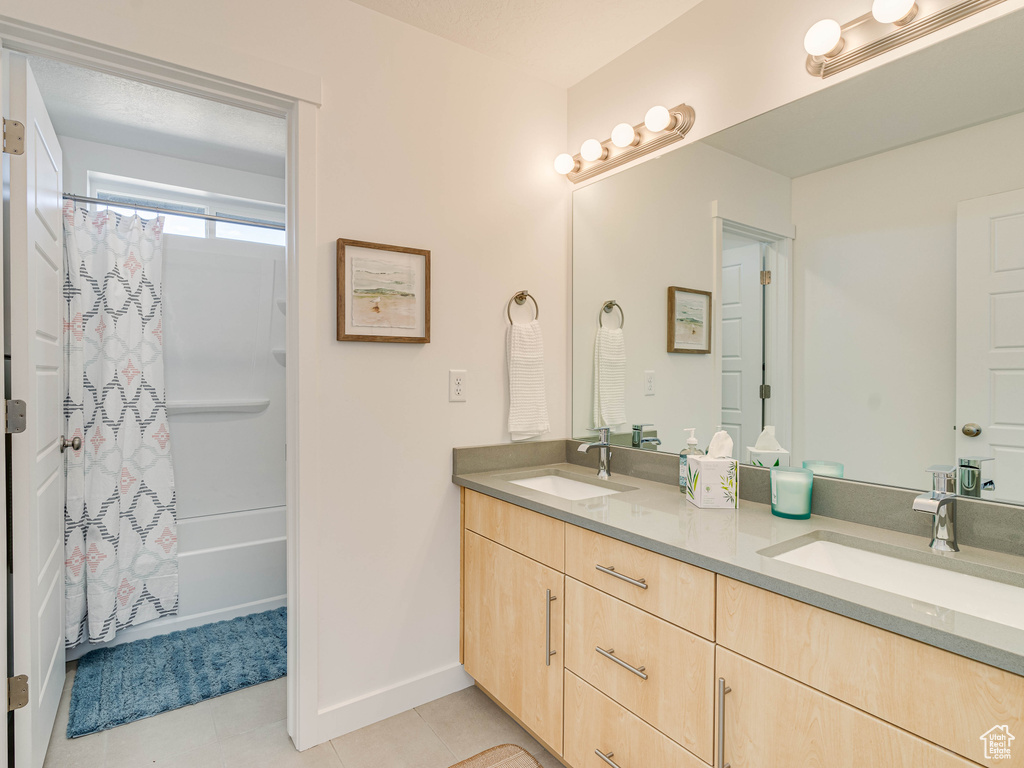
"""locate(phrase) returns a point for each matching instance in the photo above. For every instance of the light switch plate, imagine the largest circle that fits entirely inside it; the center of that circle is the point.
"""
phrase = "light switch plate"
(648, 383)
(456, 386)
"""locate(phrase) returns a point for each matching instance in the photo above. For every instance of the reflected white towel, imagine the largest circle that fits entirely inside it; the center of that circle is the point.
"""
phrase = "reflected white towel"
(609, 378)
(527, 400)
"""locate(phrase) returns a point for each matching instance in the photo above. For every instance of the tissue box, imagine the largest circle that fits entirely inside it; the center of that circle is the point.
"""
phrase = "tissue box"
(713, 483)
(767, 458)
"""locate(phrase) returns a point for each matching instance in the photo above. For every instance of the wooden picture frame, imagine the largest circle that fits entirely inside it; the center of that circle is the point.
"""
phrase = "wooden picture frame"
(383, 292)
(689, 321)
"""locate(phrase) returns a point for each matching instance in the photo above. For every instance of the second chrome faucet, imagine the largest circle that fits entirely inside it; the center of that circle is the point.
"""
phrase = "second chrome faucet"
(941, 504)
(604, 463)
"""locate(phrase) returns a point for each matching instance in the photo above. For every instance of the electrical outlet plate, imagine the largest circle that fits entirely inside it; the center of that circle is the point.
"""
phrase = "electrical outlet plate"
(456, 386)
(648, 383)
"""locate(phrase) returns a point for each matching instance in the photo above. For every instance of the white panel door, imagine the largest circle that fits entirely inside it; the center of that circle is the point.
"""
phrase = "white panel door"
(34, 297)
(990, 337)
(742, 334)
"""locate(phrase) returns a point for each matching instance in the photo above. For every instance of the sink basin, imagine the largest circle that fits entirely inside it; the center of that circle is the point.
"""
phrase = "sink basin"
(958, 585)
(571, 489)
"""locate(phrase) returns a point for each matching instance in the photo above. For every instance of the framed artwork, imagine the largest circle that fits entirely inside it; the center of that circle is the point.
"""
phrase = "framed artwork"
(689, 321)
(383, 292)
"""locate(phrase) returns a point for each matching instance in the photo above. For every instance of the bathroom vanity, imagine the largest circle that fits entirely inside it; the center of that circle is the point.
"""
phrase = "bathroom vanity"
(634, 630)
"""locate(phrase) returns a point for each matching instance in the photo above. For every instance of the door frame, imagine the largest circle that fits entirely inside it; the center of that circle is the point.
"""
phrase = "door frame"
(266, 87)
(778, 321)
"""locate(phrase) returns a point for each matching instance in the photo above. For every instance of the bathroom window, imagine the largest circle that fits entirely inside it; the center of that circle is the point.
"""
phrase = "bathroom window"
(130, 192)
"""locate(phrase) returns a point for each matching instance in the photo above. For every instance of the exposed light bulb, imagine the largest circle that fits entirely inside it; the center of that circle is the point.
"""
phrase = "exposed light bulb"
(893, 11)
(565, 163)
(592, 150)
(623, 135)
(824, 38)
(657, 119)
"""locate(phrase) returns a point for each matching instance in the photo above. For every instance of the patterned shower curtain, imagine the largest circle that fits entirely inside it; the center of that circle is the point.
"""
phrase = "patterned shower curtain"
(120, 537)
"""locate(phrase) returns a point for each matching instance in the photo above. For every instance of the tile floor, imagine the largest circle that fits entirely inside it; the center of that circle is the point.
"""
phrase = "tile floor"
(246, 729)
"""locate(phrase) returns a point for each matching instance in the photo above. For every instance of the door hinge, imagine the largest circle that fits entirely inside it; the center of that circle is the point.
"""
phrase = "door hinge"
(14, 137)
(17, 692)
(766, 277)
(14, 416)
(765, 391)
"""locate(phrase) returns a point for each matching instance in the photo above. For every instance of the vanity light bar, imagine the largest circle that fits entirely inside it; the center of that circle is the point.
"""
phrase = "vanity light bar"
(874, 33)
(660, 128)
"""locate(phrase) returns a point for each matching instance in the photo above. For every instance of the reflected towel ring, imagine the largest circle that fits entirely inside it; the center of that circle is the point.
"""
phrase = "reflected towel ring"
(607, 308)
(520, 299)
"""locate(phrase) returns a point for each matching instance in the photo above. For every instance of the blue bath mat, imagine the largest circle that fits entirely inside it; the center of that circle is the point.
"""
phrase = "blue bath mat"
(128, 682)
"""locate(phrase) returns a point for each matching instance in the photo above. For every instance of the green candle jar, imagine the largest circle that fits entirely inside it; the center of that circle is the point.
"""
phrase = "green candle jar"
(791, 492)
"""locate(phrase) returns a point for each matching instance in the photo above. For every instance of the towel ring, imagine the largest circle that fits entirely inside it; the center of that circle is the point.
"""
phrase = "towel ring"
(607, 308)
(520, 299)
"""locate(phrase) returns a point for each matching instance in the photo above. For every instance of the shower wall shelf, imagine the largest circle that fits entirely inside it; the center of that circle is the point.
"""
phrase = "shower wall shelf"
(179, 407)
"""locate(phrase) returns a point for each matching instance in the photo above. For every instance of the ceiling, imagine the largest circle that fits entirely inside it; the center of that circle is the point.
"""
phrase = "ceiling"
(95, 106)
(560, 41)
(966, 80)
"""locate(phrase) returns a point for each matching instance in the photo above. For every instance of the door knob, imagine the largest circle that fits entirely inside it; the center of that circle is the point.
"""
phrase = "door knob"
(75, 444)
(971, 429)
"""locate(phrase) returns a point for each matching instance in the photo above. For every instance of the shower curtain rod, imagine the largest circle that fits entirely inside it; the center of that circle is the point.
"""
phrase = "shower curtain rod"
(156, 209)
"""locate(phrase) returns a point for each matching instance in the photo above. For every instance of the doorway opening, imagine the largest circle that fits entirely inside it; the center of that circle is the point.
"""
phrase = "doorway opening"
(755, 334)
(146, 323)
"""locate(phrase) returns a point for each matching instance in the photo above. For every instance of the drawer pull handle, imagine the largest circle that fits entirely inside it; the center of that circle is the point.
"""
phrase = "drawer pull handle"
(547, 630)
(607, 758)
(610, 654)
(610, 570)
(722, 690)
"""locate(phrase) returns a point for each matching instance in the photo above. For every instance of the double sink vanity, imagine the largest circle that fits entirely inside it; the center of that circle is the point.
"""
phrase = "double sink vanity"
(623, 626)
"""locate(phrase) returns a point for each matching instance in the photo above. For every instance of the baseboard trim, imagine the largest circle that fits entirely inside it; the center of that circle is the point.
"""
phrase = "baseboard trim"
(347, 716)
(170, 624)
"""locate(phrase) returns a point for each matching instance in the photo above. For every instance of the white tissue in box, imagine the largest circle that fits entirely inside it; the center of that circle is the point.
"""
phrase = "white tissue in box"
(779, 458)
(713, 483)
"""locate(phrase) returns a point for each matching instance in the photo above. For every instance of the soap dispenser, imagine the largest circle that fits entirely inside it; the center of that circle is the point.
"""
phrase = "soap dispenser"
(690, 450)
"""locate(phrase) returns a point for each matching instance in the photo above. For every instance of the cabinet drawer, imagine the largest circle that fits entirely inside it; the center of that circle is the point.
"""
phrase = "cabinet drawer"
(772, 721)
(677, 592)
(530, 533)
(938, 695)
(677, 695)
(595, 722)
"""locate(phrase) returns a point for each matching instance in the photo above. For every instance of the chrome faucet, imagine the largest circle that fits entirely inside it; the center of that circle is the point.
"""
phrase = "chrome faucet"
(941, 504)
(604, 464)
(639, 441)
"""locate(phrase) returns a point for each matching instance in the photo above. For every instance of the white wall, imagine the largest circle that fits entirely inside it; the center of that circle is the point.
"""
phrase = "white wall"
(635, 234)
(730, 59)
(222, 323)
(426, 144)
(875, 300)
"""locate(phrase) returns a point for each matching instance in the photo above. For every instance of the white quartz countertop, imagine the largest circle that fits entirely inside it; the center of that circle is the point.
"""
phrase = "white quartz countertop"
(658, 517)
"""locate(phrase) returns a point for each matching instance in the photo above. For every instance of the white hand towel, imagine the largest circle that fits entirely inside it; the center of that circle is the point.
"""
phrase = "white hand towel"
(527, 400)
(609, 378)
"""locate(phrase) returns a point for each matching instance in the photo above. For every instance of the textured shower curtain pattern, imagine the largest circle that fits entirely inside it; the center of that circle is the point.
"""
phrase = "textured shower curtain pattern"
(121, 541)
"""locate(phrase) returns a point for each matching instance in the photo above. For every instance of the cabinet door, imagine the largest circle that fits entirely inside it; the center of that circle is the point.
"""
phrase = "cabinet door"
(772, 721)
(513, 633)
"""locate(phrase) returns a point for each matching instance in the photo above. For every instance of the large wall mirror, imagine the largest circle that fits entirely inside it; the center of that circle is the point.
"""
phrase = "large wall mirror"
(889, 210)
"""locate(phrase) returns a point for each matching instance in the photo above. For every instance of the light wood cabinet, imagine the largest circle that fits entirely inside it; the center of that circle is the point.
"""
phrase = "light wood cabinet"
(677, 592)
(772, 721)
(675, 691)
(808, 687)
(595, 722)
(529, 533)
(513, 633)
(946, 698)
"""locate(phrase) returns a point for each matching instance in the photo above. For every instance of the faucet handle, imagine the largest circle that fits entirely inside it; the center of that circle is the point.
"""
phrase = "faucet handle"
(604, 433)
(943, 478)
